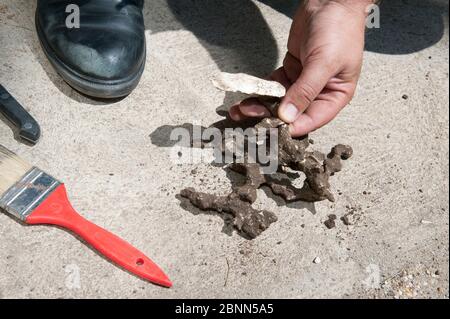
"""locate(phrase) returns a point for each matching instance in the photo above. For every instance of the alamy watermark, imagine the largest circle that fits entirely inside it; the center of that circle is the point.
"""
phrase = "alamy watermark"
(373, 280)
(206, 145)
(373, 16)
(73, 278)
(73, 17)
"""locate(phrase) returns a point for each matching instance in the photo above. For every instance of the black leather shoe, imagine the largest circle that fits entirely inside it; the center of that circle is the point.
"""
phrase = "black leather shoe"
(103, 58)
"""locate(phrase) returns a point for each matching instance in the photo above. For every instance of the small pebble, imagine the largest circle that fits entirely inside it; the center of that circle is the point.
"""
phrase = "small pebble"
(317, 260)
(331, 221)
(346, 220)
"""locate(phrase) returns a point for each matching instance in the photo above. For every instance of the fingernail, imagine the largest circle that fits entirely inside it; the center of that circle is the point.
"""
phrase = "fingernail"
(289, 113)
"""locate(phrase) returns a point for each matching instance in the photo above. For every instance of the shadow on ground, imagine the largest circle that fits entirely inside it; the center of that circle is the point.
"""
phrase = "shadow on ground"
(408, 26)
(239, 39)
(177, 135)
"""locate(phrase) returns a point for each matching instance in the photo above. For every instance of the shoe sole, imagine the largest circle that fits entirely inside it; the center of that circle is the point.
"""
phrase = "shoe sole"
(90, 86)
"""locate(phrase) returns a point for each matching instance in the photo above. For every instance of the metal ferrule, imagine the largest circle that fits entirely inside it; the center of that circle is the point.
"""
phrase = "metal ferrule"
(28, 193)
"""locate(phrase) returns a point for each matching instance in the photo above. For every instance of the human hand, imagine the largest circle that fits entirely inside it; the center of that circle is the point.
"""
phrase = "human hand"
(322, 66)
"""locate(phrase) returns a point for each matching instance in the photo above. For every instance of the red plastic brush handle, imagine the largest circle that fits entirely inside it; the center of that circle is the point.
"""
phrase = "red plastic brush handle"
(57, 210)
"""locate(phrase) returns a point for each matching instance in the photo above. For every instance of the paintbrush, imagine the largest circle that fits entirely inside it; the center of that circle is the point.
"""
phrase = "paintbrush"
(35, 197)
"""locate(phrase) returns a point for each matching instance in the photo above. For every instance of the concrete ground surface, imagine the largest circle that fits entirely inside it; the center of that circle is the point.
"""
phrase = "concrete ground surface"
(115, 159)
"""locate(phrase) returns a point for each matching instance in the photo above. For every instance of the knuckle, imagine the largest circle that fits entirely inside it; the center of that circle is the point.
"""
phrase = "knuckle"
(306, 92)
(331, 65)
(350, 92)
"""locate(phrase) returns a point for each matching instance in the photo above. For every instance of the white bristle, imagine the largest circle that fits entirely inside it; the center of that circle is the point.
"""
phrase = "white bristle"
(12, 169)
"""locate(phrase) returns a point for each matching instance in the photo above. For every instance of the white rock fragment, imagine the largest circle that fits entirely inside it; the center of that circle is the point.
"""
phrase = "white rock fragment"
(248, 84)
(317, 260)
(426, 222)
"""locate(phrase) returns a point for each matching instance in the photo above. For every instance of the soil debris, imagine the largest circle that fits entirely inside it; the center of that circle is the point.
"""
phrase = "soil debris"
(247, 220)
(293, 154)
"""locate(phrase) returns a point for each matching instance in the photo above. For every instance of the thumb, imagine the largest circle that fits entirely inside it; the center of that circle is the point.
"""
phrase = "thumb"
(312, 80)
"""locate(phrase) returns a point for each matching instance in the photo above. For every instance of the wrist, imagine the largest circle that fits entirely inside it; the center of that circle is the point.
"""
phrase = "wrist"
(357, 6)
